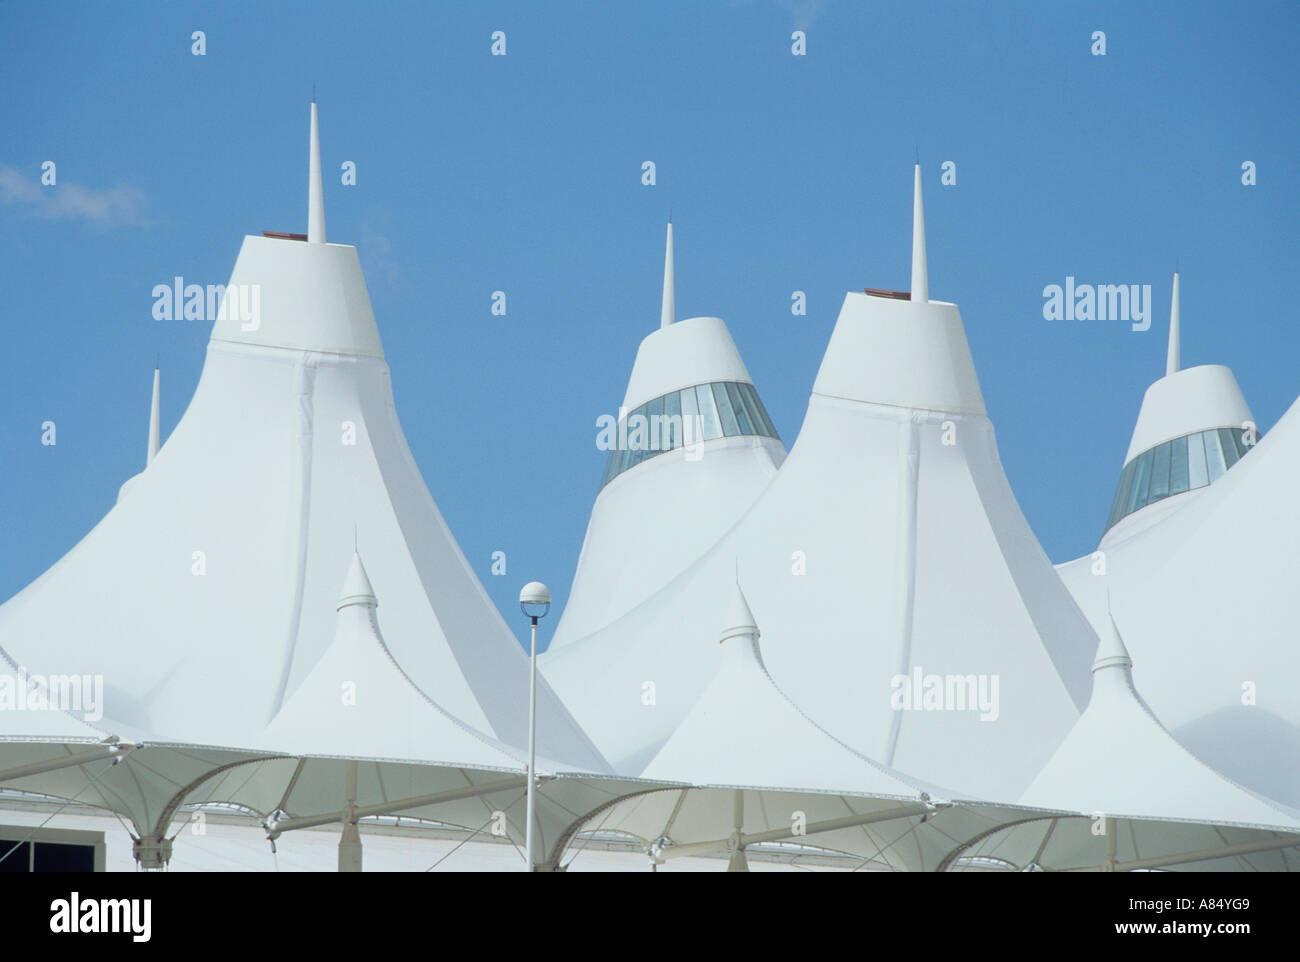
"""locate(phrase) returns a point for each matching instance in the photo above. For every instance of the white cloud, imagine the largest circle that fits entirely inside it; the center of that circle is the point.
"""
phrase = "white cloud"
(804, 11)
(110, 205)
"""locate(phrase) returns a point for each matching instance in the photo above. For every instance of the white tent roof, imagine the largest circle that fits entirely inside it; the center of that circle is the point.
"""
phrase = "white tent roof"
(1177, 449)
(742, 732)
(1119, 760)
(888, 542)
(356, 702)
(206, 596)
(1207, 603)
(1201, 582)
(632, 548)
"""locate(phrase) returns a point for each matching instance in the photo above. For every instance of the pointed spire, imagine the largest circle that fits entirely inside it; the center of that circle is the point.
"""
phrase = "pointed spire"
(154, 409)
(315, 195)
(740, 620)
(1111, 652)
(356, 587)
(920, 279)
(668, 312)
(1173, 360)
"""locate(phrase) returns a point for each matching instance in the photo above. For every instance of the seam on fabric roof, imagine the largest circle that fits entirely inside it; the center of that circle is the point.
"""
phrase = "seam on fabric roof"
(306, 382)
(297, 350)
(900, 407)
(908, 481)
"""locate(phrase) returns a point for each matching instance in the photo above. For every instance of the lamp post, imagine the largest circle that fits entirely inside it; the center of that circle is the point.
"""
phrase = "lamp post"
(534, 602)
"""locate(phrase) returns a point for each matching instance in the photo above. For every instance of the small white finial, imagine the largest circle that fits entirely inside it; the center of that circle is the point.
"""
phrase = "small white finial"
(356, 586)
(1173, 360)
(315, 195)
(1111, 651)
(740, 620)
(154, 409)
(920, 280)
(668, 311)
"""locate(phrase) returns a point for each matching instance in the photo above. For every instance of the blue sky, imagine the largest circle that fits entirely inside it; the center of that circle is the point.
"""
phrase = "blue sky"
(522, 173)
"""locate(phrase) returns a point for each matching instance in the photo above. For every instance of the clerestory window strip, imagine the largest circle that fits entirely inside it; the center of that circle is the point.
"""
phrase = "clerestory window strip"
(1174, 467)
(721, 409)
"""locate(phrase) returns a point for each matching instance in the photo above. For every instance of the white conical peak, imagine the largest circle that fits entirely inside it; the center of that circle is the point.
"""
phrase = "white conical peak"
(154, 409)
(668, 311)
(1121, 760)
(740, 620)
(315, 195)
(1172, 360)
(1112, 652)
(920, 279)
(356, 587)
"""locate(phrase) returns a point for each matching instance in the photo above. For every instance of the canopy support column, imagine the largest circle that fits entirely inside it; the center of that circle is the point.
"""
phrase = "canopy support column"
(350, 842)
(153, 849)
(737, 861)
(152, 852)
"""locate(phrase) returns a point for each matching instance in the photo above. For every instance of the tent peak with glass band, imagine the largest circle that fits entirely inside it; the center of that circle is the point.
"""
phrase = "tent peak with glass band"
(1193, 426)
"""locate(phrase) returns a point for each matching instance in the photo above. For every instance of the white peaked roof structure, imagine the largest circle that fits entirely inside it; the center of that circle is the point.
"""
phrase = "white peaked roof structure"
(1207, 603)
(1141, 800)
(206, 597)
(1193, 426)
(367, 741)
(915, 634)
(742, 732)
(357, 702)
(762, 772)
(888, 555)
(692, 437)
(1119, 760)
(1202, 581)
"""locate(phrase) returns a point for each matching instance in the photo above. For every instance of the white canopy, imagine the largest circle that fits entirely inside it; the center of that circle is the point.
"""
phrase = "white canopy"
(206, 596)
(690, 369)
(1119, 761)
(357, 702)
(889, 544)
(743, 732)
(1206, 601)
(1202, 582)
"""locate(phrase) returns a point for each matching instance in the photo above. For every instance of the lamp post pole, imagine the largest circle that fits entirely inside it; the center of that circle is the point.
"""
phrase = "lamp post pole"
(534, 596)
(532, 750)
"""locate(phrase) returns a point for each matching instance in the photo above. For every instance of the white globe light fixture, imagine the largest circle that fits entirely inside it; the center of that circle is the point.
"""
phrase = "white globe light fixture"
(534, 602)
(535, 596)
